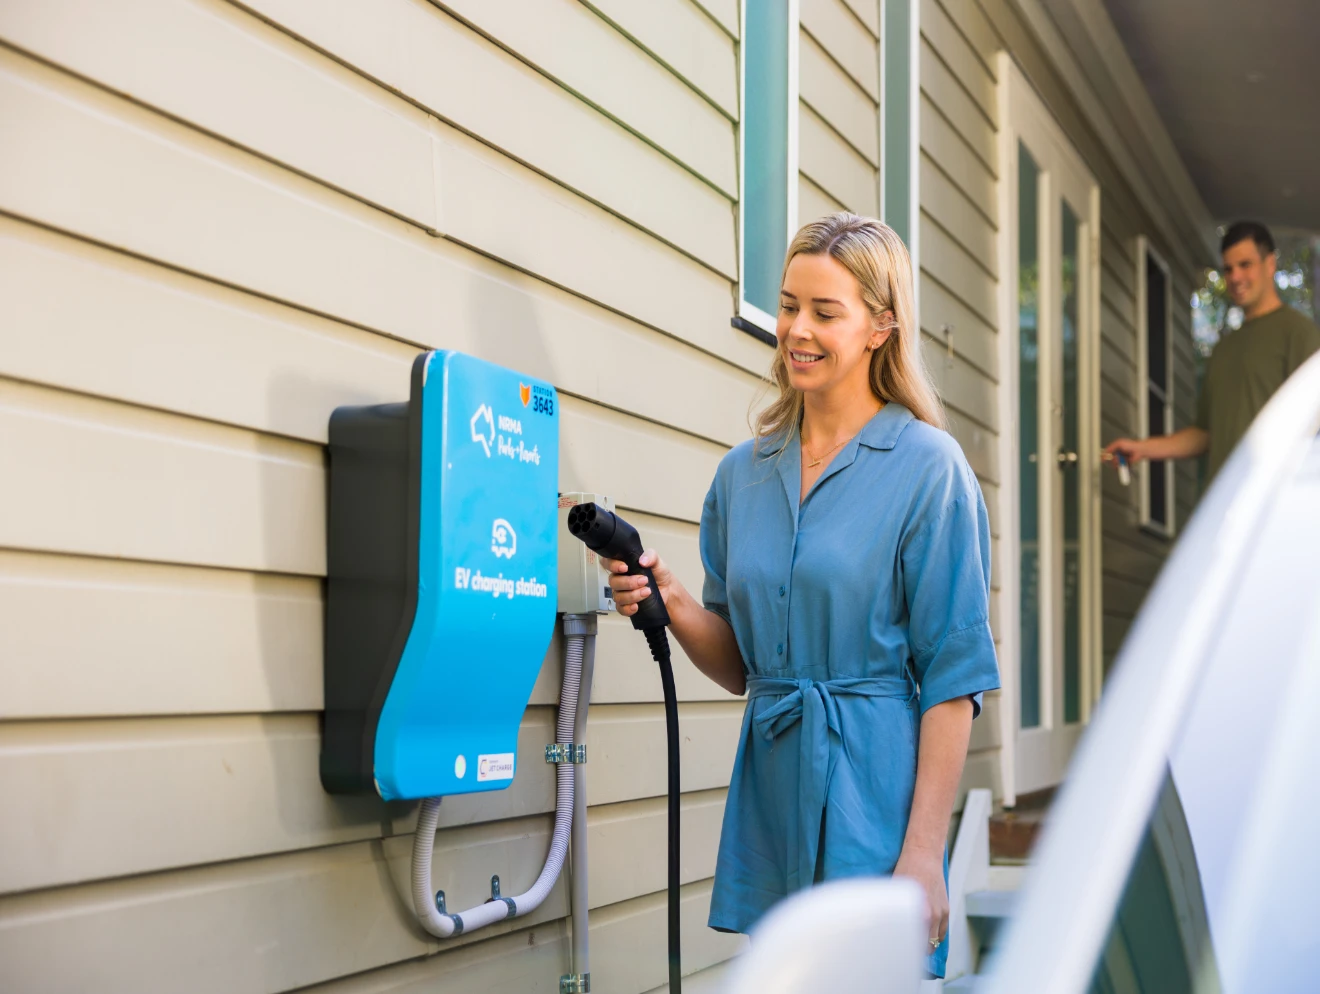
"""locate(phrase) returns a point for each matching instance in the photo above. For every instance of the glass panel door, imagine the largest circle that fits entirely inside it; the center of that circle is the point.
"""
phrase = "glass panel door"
(1053, 226)
(1068, 467)
(1028, 438)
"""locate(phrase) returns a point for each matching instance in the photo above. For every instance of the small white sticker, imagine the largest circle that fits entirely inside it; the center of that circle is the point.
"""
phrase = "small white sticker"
(460, 767)
(495, 767)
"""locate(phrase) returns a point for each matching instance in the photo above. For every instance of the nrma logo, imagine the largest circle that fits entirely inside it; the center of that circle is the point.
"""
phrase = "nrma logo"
(525, 393)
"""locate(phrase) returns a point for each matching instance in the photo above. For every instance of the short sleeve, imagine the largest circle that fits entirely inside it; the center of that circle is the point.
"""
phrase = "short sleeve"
(714, 554)
(946, 580)
(1302, 344)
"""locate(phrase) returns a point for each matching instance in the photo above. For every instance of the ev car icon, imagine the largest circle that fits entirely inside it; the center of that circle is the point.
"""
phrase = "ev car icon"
(487, 436)
(503, 539)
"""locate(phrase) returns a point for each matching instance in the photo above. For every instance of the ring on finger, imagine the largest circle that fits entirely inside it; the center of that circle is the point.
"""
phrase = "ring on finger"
(935, 942)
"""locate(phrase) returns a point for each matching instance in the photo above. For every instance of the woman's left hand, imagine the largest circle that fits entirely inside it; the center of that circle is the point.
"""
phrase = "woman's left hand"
(926, 867)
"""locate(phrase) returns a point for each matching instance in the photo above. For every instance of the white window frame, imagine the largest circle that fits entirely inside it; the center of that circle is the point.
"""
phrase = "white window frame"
(1146, 251)
(751, 318)
(900, 131)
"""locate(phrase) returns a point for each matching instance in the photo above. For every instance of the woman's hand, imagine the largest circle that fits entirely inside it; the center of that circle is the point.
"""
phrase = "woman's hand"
(926, 867)
(705, 636)
(630, 590)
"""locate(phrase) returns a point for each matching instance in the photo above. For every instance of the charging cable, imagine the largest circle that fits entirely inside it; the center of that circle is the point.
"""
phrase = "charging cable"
(609, 536)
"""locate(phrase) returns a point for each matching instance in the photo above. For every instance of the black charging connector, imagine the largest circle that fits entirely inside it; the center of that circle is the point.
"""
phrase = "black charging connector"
(611, 537)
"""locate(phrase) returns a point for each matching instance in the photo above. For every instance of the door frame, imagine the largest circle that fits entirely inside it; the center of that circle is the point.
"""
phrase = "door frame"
(1017, 99)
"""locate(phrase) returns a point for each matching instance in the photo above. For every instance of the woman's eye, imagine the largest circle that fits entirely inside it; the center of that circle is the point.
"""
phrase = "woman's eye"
(787, 308)
(821, 315)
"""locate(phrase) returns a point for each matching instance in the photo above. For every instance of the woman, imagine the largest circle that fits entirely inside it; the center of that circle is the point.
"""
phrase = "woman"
(847, 556)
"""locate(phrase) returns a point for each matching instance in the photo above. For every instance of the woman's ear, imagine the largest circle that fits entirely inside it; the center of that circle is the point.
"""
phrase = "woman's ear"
(884, 327)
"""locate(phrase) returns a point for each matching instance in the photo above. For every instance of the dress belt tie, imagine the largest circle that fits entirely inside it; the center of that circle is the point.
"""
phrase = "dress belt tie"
(812, 702)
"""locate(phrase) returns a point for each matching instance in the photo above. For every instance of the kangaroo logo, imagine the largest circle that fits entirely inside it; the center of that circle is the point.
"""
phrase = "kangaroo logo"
(503, 539)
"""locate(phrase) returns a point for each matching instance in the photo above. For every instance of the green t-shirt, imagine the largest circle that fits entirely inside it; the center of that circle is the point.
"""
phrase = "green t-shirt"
(1245, 369)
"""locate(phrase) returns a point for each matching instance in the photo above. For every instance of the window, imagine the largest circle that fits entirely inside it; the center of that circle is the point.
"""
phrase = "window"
(768, 157)
(899, 98)
(1155, 361)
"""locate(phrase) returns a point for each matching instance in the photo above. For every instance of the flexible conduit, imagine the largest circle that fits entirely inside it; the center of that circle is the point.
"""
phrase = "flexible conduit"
(445, 925)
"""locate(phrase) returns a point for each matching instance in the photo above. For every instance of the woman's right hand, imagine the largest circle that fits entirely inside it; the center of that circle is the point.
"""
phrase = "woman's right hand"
(630, 590)
(705, 636)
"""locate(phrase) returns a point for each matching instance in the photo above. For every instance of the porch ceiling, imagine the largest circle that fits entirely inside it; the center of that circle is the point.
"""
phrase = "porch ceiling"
(1236, 87)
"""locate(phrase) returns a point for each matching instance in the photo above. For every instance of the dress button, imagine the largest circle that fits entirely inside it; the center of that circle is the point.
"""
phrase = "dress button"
(782, 591)
(780, 648)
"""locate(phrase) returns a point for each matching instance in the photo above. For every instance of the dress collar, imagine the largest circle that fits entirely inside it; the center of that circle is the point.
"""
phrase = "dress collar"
(882, 431)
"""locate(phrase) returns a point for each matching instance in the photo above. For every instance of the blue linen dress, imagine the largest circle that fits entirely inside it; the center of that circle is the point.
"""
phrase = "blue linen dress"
(854, 614)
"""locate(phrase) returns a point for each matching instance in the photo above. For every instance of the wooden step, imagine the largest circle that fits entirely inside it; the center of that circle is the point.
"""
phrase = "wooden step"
(1004, 877)
(1013, 831)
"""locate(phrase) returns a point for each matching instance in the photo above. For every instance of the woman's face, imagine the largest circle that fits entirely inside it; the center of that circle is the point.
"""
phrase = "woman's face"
(824, 327)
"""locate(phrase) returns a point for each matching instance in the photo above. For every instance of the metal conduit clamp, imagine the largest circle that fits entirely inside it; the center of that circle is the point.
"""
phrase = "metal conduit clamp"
(575, 983)
(496, 896)
(565, 752)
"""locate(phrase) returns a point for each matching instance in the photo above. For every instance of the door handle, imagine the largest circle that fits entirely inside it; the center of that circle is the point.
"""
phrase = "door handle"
(1065, 458)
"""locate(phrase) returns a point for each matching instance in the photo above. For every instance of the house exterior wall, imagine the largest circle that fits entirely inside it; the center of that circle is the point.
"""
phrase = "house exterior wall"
(218, 222)
(838, 108)
(960, 284)
(959, 281)
(1131, 557)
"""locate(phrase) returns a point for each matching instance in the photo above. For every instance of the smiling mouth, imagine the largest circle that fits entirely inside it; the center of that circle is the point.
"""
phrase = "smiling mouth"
(804, 357)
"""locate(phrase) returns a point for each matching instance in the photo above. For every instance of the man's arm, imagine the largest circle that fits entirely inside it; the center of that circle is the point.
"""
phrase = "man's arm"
(1187, 443)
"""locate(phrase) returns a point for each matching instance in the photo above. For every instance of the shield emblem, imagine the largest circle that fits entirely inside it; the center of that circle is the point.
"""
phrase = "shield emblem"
(525, 392)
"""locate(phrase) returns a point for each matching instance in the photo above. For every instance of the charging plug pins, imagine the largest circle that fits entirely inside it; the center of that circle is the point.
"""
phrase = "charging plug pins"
(580, 518)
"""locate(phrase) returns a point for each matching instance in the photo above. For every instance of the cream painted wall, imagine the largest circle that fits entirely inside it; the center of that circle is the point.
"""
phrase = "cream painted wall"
(225, 222)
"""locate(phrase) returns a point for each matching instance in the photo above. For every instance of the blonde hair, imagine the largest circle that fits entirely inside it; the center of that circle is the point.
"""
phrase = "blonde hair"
(879, 261)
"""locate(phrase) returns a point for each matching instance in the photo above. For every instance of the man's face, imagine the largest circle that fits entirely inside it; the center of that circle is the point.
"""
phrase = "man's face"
(1249, 275)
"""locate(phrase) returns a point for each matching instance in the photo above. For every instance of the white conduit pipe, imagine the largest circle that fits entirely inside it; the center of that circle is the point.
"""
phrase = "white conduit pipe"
(445, 925)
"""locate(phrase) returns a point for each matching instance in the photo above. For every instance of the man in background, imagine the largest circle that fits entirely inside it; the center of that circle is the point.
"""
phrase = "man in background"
(1247, 365)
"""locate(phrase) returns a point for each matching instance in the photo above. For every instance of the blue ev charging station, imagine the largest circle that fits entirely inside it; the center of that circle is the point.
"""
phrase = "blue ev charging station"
(442, 579)
(445, 572)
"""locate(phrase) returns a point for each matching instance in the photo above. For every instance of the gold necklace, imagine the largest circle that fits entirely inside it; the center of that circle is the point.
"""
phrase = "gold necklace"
(813, 465)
